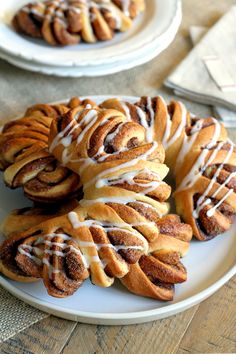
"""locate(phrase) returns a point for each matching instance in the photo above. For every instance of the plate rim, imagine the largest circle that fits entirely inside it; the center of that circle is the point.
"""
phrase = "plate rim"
(153, 52)
(177, 8)
(117, 318)
(141, 316)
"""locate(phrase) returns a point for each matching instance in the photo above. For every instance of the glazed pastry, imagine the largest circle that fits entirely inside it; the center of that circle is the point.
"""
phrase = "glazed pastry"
(201, 156)
(131, 183)
(65, 260)
(177, 134)
(66, 22)
(117, 141)
(155, 274)
(25, 159)
(118, 223)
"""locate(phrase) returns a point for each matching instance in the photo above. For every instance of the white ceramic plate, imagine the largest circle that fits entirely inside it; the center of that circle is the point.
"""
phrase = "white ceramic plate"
(147, 28)
(210, 265)
(98, 70)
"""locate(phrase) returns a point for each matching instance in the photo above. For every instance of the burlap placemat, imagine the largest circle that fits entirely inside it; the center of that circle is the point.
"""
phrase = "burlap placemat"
(15, 315)
(20, 89)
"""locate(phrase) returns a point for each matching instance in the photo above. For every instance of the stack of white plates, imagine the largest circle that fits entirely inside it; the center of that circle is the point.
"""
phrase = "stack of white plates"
(151, 33)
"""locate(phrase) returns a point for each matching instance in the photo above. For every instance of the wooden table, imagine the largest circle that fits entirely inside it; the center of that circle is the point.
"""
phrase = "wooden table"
(206, 328)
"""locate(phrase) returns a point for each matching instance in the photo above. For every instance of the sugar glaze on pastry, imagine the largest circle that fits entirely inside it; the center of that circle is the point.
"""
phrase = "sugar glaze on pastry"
(202, 158)
(119, 229)
(25, 159)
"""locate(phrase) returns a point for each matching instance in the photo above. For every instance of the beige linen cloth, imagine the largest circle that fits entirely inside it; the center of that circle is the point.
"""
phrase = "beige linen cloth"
(208, 73)
(20, 89)
(15, 315)
(226, 115)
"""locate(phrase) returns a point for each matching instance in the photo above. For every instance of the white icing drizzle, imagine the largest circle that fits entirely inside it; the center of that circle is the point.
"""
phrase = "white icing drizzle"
(77, 10)
(111, 11)
(188, 142)
(211, 211)
(87, 121)
(107, 227)
(54, 253)
(86, 259)
(198, 167)
(167, 130)
(167, 141)
(111, 136)
(228, 179)
(59, 13)
(51, 270)
(142, 117)
(129, 178)
(102, 158)
(127, 164)
(201, 164)
(26, 9)
(125, 7)
(126, 110)
(149, 126)
(150, 109)
(24, 248)
(201, 201)
(74, 220)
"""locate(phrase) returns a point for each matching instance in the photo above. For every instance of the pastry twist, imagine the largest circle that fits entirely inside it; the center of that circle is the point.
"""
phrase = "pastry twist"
(65, 22)
(25, 159)
(24, 218)
(201, 156)
(117, 224)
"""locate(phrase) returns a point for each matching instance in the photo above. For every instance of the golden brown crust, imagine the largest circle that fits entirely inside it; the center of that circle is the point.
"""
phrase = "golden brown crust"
(8, 265)
(210, 192)
(186, 141)
(114, 154)
(46, 242)
(112, 236)
(25, 159)
(155, 275)
(145, 249)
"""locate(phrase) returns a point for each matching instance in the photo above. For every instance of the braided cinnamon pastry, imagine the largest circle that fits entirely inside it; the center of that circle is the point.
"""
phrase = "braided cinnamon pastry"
(201, 156)
(25, 159)
(119, 221)
(65, 22)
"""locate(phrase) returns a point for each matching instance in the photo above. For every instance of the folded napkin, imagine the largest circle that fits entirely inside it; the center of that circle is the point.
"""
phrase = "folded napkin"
(226, 115)
(208, 74)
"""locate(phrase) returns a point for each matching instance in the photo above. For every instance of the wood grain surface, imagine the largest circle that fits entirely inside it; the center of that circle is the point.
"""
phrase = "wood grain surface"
(207, 328)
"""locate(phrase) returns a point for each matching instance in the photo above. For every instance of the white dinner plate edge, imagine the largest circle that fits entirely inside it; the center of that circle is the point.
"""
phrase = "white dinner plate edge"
(62, 71)
(177, 8)
(119, 319)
